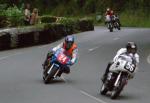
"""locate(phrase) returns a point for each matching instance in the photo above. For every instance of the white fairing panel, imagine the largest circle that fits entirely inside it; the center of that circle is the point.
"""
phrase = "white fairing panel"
(123, 64)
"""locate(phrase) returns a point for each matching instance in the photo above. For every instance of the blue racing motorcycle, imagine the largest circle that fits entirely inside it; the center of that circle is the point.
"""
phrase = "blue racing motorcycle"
(56, 64)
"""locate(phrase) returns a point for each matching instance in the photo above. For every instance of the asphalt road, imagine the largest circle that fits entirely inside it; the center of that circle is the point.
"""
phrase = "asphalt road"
(21, 73)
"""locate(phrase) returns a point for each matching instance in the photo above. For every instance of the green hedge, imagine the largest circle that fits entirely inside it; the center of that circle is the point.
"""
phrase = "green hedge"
(3, 21)
(42, 33)
(48, 19)
(74, 25)
(86, 24)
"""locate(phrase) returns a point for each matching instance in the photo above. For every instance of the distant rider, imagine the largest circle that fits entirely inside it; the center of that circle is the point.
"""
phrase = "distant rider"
(115, 17)
(130, 50)
(108, 15)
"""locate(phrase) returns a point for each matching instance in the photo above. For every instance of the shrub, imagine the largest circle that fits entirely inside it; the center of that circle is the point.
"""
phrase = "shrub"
(13, 16)
(48, 19)
(86, 24)
(3, 21)
(71, 24)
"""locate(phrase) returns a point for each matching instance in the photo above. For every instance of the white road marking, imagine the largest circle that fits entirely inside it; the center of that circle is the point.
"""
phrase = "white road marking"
(148, 59)
(1, 58)
(116, 38)
(92, 49)
(97, 99)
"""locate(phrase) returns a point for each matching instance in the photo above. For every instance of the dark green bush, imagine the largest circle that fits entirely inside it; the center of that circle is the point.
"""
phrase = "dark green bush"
(14, 15)
(3, 21)
(74, 25)
(48, 19)
(71, 24)
(86, 24)
(56, 30)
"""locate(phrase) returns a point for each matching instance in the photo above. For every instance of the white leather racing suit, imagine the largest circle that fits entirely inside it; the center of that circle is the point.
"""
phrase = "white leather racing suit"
(123, 51)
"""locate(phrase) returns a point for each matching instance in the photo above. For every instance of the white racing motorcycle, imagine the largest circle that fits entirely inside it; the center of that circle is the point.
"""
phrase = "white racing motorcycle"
(119, 73)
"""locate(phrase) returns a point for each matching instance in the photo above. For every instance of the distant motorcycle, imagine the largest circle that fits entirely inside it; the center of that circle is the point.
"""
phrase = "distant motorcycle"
(110, 26)
(116, 23)
(109, 23)
(119, 73)
(58, 61)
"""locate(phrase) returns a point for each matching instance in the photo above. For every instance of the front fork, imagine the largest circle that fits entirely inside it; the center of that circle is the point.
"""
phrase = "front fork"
(117, 80)
(48, 72)
(55, 75)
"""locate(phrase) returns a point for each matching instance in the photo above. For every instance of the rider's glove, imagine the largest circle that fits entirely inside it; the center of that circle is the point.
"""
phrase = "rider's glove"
(69, 63)
(50, 53)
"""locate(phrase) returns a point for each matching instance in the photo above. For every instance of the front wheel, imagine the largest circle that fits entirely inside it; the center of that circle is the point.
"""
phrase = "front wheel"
(49, 76)
(110, 27)
(103, 90)
(115, 93)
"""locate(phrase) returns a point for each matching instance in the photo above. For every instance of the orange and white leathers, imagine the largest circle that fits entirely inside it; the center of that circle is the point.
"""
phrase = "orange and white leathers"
(72, 52)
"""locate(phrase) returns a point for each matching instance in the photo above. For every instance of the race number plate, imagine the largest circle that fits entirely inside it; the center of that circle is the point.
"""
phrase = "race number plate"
(62, 58)
(130, 67)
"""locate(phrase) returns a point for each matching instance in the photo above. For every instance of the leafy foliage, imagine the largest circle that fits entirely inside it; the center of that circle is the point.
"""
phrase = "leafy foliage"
(136, 8)
(48, 19)
(13, 16)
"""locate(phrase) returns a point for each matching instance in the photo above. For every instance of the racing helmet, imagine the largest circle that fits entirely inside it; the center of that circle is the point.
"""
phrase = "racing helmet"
(69, 40)
(131, 47)
(108, 9)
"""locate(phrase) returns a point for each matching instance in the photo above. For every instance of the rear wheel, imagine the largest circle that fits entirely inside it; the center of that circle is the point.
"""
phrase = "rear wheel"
(118, 27)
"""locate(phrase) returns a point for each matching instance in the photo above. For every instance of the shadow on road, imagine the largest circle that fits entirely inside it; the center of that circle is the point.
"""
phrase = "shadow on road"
(124, 97)
(56, 81)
